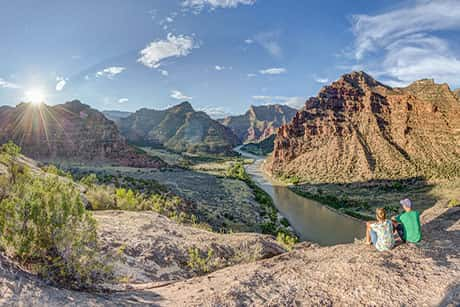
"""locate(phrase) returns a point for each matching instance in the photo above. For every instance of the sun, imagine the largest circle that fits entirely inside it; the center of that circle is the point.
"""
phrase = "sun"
(35, 96)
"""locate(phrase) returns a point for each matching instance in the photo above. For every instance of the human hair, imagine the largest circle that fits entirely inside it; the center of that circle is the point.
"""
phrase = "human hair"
(380, 214)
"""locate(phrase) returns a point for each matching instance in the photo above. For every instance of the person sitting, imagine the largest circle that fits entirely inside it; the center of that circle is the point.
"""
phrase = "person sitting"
(380, 232)
(407, 224)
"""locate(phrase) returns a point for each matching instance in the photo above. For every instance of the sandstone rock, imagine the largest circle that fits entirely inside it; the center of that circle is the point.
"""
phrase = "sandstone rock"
(259, 122)
(358, 129)
(71, 131)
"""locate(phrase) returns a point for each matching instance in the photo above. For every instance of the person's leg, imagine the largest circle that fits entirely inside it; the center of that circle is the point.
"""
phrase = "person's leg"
(400, 230)
(368, 232)
(373, 235)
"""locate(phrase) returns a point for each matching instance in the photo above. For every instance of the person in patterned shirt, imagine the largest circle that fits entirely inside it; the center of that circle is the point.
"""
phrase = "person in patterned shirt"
(380, 232)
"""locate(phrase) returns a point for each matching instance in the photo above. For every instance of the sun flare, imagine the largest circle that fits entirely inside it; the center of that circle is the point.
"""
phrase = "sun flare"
(35, 96)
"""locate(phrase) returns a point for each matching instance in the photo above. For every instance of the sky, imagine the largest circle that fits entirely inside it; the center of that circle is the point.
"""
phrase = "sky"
(221, 55)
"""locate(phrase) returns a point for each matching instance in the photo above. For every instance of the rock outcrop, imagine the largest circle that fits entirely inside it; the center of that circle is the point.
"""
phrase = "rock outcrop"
(71, 132)
(179, 128)
(426, 274)
(457, 93)
(358, 129)
(259, 122)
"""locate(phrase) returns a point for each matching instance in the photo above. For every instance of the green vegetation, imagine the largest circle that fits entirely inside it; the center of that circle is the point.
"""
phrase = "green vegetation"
(199, 262)
(453, 203)
(44, 226)
(147, 196)
(360, 199)
(287, 240)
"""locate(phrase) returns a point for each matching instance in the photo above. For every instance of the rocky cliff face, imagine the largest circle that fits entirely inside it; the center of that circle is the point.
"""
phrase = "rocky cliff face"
(259, 122)
(179, 128)
(71, 131)
(359, 129)
(457, 93)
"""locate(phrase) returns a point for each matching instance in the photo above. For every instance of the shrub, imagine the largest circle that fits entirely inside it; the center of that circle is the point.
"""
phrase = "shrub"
(199, 263)
(453, 203)
(45, 226)
(287, 240)
(9, 152)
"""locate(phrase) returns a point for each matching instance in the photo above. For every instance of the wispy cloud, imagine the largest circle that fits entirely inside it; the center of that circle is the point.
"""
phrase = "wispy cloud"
(199, 5)
(164, 72)
(248, 41)
(220, 68)
(110, 72)
(7, 84)
(251, 75)
(322, 80)
(173, 46)
(61, 82)
(406, 44)
(293, 102)
(270, 42)
(123, 100)
(178, 95)
(273, 71)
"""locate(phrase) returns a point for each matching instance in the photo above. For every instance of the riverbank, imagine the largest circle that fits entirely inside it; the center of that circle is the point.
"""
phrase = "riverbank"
(313, 221)
(360, 199)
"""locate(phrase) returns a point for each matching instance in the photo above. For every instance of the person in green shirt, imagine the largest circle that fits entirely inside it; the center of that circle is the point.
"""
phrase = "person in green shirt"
(407, 224)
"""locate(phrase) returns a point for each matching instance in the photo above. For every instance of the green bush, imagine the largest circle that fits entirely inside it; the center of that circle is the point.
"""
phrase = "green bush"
(44, 225)
(198, 262)
(287, 240)
(453, 203)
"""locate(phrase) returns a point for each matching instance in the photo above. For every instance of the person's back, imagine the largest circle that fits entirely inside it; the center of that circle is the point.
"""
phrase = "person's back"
(384, 230)
(410, 220)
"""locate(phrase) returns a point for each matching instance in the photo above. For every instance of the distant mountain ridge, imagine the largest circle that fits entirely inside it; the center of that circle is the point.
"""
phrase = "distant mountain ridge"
(179, 128)
(259, 122)
(72, 131)
(359, 129)
(116, 115)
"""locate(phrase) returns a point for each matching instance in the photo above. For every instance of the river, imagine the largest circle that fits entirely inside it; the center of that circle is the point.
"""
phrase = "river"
(311, 220)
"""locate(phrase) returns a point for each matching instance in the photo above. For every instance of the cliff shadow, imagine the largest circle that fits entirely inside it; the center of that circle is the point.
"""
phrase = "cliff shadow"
(364, 197)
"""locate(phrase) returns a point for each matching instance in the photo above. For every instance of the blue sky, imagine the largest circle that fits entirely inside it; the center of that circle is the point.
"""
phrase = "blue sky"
(221, 55)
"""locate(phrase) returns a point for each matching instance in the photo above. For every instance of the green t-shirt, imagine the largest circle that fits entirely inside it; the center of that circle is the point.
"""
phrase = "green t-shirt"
(411, 223)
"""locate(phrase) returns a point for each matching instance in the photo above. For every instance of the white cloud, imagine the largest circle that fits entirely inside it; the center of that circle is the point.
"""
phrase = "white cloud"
(322, 80)
(173, 46)
(110, 72)
(7, 84)
(270, 42)
(61, 82)
(273, 71)
(251, 75)
(123, 100)
(249, 41)
(220, 68)
(179, 95)
(169, 19)
(407, 43)
(198, 5)
(293, 102)
(164, 72)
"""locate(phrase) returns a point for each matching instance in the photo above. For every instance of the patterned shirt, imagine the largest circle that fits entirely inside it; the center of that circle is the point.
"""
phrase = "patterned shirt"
(384, 231)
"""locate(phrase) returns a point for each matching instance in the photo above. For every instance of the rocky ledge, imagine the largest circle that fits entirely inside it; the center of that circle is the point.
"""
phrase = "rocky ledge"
(350, 275)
